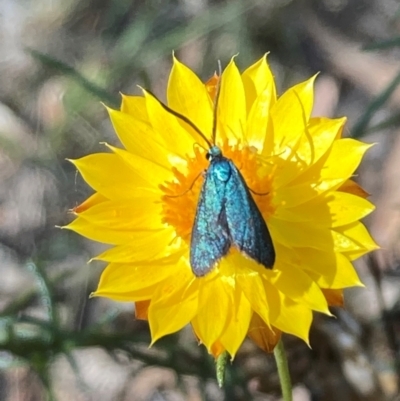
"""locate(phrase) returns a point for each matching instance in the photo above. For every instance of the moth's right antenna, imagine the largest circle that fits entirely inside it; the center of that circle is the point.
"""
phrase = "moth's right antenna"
(218, 89)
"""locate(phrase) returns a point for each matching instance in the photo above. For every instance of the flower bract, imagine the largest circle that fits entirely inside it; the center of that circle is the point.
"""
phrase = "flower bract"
(299, 170)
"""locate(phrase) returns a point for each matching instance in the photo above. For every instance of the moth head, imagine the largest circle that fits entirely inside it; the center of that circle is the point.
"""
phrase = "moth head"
(214, 151)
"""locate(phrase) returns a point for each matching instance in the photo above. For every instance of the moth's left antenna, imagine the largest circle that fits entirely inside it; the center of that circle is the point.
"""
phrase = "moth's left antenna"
(181, 117)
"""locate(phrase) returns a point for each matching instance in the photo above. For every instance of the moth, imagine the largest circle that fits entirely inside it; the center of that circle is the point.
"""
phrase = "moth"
(226, 213)
(226, 216)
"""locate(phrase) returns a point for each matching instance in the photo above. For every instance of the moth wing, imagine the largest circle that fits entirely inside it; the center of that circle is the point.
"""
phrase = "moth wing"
(210, 240)
(246, 225)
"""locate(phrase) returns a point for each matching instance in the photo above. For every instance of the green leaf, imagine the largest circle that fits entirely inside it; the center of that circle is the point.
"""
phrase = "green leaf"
(66, 69)
(361, 126)
(384, 44)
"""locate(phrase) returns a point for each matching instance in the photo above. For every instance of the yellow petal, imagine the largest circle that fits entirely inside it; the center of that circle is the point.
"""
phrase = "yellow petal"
(290, 196)
(328, 269)
(355, 254)
(94, 199)
(347, 208)
(147, 245)
(297, 102)
(142, 294)
(139, 138)
(256, 79)
(232, 105)
(357, 234)
(303, 289)
(304, 235)
(300, 234)
(174, 305)
(128, 215)
(320, 134)
(327, 174)
(238, 325)
(101, 234)
(215, 310)
(251, 283)
(135, 106)
(273, 298)
(179, 139)
(109, 175)
(188, 96)
(344, 158)
(337, 167)
(294, 318)
(259, 124)
(330, 210)
(262, 335)
(148, 171)
(182, 284)
(342, 243)
(120, 278)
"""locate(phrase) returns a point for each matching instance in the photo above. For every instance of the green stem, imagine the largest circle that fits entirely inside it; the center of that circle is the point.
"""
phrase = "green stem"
(220, 365)
(283, 371)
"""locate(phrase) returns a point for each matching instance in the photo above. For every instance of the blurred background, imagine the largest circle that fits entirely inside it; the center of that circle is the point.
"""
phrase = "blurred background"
(58, 60)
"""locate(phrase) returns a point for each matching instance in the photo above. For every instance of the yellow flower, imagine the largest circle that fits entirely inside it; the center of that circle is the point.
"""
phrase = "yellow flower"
(146, 197)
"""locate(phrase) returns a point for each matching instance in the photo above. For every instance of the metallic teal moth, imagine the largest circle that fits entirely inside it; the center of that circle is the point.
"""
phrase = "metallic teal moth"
(227, 216)
(226, 213)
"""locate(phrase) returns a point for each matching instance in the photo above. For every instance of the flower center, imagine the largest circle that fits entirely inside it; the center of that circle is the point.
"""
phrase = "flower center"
(182, 194)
